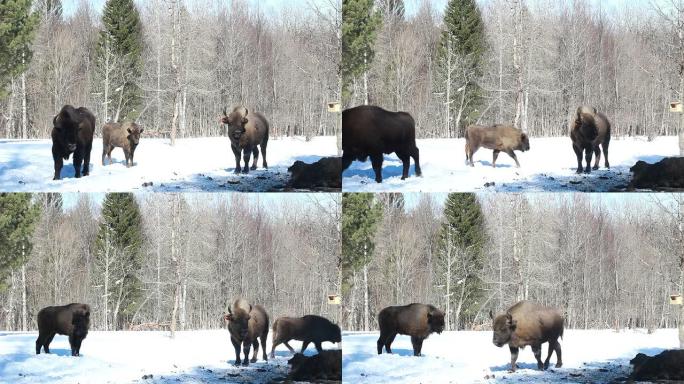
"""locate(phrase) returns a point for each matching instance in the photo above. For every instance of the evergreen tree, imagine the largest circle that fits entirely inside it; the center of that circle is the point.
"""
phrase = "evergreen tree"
(460, 258)
(360, 216)
(360, 23)
(18, 216)
(460, 60)
(118, 257)
(17, 26)
(119, 60)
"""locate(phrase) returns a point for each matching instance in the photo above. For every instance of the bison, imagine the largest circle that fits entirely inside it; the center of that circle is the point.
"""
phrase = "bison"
(668, 173)
(72, 132)
(416, 320)
(126, 136)
(369, 131)
(667, 365)
(500, 138)
(246, 130)
(307, 329)
(246, 323)
(326, 365)
(588, 130)
(528, 323)
(324, 173)
(72, 320)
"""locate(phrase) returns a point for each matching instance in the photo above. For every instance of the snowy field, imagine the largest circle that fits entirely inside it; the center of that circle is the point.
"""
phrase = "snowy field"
(549, 165)
(201, 164)
(125, 357)
(594, 356)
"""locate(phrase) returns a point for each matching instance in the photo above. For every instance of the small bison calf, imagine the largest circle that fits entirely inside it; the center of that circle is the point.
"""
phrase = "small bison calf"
(72, 320)
(416, 320)
(326, 365)
(307, 329)
(125, 136)
(500, 138)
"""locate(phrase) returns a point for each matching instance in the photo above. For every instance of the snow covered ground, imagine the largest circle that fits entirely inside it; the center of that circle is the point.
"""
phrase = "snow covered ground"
(549, 165)
(592, 356)
(125, 357)
(201, 164)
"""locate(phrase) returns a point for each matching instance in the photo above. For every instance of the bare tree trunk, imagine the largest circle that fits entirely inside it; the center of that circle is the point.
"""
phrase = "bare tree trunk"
(365, 80)
(176, 72)
(23, 290)
(24, 120)
(9, 319)
(366, 310)
(175, 262)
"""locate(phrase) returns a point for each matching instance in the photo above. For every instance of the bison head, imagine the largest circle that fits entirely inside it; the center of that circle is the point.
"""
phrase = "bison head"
(337, 338)
(238, 321)
(585, 120)
(436, 320)
(67, 127)
(503, 327)
(236, 122)
(524, 142)
(134, 131)
(80, 320)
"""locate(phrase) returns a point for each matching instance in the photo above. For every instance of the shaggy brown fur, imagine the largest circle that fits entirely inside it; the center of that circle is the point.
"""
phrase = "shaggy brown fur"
(588, 130)
(246, 131)
(125, 136)
(500, 138)
(72, 132)
(326, 365)
(72, 320)
(247, 324)
(416, 320)
(308, 329)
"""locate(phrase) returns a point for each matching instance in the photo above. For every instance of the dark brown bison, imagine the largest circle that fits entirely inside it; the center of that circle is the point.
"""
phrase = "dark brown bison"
(500, 138)
(528, 323)
(324, 173)
(307, 329)
(246, 130)
(588, 130)
(371, 131)
(125, 136)
(246, 323)
(667, 365)
(326, 365)
(72, 320)
(72, 132)
(668, 173)
(416, 320)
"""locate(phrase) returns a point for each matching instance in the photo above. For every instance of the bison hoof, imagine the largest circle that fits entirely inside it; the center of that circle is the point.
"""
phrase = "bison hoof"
(237, 363)
(253, 167)
(245, 363)
(595, 167)
(237, 171)
(559, 364)
(588, 170)
(579, 170)
(253, 360)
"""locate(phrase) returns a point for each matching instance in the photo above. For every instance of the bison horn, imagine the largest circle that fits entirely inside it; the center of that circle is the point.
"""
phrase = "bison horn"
(224, 111)
(491, 314)
(246, 111)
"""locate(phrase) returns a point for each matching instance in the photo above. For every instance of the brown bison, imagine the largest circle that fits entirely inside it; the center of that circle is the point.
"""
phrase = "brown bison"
(246, 130)
(500, 138)
(125, 136)
(326, 365)
(324, 173)
(668, 173)
(72, 320)
(246, 323)
(528, 323)
(667, 365)
(416, 320)
(72, 132)
(371, 131)
(307, 329)
(588, 130)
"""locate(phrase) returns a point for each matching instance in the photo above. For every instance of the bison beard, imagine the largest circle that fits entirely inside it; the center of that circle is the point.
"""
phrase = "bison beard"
(528, 323)
(72, 320)
(369, 131)
(415, 320)
(72, 132)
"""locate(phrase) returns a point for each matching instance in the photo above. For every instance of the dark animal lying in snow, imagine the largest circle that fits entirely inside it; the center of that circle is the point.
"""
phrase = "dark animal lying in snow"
(324, 173)
(668, 173)
(72, 320)
(327, 365)
(667, 365)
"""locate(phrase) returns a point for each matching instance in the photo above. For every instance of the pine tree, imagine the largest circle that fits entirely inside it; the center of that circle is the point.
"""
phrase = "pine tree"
(460, 258)
(460, 60)
(17, 26)
(360, 23)
(118, 257)
(18, 216)
(119, 60)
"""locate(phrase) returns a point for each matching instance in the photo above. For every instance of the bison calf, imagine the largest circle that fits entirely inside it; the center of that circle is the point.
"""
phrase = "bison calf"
(415, 320)
(72, 320)
(125, 136)
(247, 324)
(246, 130)
(500, 138)
(307, 329)
(371, 131)
(326, 365)
(528, 323)
(667, 365)
(72, 132)
(588, 130)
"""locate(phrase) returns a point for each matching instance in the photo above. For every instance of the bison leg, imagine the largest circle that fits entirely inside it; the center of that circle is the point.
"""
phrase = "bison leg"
(58, 166)
(47, 341)
(376, 161)
(536, 349)
(346, 161)
(104, 154)
(255, 153)
(514, 357)
(263, 153)
(255, 345)
(417, 343)
(597, 153)
(246, 346)
(559, 359)
(588, 152)
(389, 341)
(416, 159)
(127, 155)
(578, 153)
(86, 159)
(494, 156)
(246, 154)
(289, 347)
(39, 342)
(604, 146)
(511, 153)
(405, 162)
(552, 347)
(381, 342)
(263, 345)
(305, 344)
(78, 159)
(236, 345)
(236, 152)
(470, 151)
(75, 344)
(319, 347)
(276, 342)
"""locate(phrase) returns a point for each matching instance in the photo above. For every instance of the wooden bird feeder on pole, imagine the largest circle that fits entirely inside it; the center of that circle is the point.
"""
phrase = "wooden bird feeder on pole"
(676, 300)
(334, 300)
